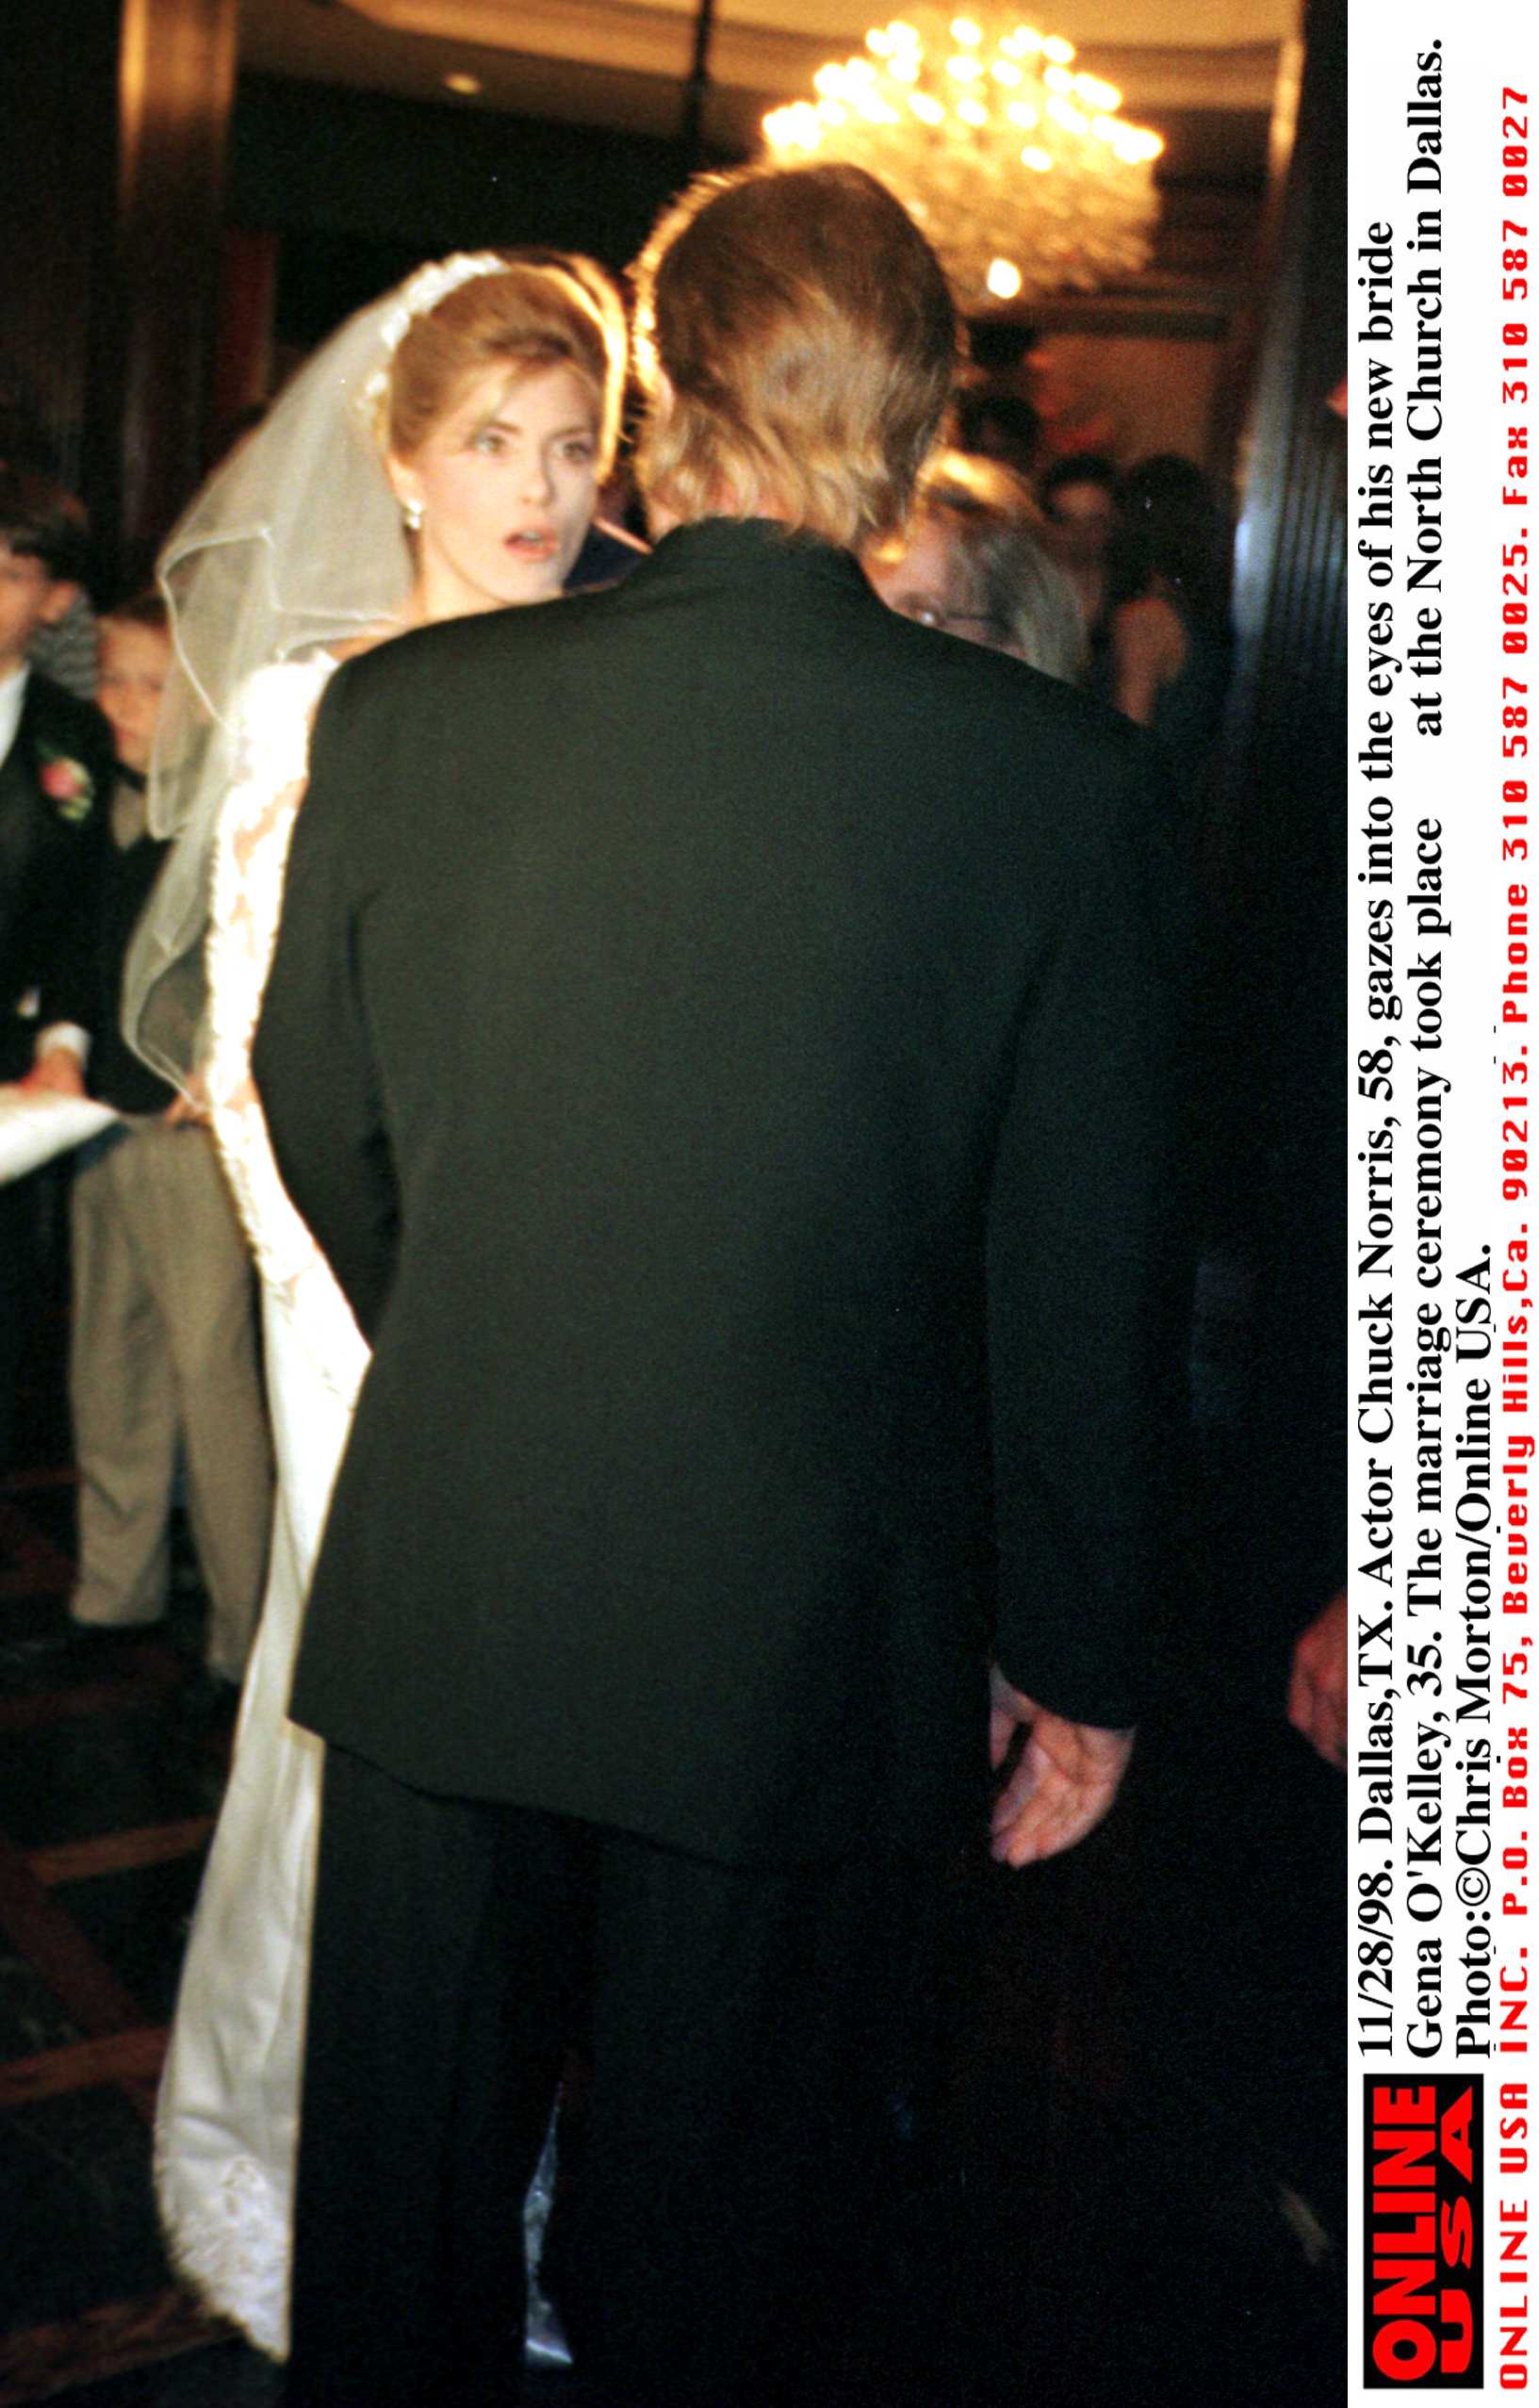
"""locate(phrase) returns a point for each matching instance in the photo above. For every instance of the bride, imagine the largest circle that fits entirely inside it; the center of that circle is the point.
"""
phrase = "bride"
(441, 454)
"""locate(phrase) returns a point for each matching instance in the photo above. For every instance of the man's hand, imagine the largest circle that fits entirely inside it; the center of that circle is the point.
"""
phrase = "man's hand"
(1066, 1777)
(1317, 1691)
(58, 1072)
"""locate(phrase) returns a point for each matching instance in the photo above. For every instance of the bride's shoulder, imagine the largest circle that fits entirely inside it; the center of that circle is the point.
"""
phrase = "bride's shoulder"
(285, 689)
(273, 719)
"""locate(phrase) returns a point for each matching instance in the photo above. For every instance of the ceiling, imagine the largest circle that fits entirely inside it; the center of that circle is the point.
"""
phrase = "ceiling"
(1205, 75)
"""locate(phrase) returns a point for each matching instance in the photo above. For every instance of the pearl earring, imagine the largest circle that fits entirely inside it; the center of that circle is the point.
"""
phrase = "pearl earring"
(412, 513)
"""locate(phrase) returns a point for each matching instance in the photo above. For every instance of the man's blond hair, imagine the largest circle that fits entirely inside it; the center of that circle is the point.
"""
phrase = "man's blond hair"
(807, 339)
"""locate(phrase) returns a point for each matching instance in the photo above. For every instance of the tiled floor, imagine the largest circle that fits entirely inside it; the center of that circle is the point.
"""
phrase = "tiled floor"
(1144, 2119)
(111, 1767)
(112, 1763)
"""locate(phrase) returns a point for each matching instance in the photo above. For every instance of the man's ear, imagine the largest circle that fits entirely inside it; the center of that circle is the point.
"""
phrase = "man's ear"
(63, 593)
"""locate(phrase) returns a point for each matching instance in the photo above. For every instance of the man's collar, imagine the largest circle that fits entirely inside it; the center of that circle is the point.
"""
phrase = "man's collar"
(757, 549)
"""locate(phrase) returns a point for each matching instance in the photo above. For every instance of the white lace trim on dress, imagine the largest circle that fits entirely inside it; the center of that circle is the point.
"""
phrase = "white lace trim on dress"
(251, 855)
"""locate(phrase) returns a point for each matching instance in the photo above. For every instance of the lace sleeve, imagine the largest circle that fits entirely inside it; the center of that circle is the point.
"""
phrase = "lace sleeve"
(252, 848)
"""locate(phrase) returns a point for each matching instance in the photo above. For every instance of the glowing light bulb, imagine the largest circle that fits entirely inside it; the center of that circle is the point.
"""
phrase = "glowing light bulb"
(920, 108)
(795, 128)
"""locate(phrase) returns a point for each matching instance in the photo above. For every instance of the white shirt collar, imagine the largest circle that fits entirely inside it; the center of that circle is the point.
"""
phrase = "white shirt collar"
(12, 694)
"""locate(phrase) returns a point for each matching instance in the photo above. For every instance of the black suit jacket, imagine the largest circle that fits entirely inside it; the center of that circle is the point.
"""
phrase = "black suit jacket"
(721, 1035)
(51, 857)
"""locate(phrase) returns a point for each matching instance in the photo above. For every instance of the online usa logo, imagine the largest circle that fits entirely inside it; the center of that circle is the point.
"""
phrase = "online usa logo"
(1422, 2241)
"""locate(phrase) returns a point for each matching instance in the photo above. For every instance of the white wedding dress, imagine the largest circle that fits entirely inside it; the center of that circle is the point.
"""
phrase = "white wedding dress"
(227, 2121)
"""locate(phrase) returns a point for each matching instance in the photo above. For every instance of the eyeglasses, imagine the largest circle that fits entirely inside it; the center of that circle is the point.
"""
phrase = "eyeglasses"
(1095, 515)
(977, 627)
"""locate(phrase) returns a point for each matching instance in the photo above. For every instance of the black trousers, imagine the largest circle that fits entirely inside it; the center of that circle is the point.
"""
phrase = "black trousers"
(762, 2048)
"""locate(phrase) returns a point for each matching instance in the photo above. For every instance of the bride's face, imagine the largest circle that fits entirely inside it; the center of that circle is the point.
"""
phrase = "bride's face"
(507, 482)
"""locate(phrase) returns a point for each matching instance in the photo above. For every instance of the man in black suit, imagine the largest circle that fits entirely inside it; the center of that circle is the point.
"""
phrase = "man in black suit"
(721, 1035)
(56, 789)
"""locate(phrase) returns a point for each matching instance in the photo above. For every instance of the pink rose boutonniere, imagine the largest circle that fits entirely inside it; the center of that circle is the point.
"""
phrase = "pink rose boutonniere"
(68, 785)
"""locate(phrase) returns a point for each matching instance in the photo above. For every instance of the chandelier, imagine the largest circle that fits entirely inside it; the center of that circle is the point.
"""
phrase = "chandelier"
(1019, 171)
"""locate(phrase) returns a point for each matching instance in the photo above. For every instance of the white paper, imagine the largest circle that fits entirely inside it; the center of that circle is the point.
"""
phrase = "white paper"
(34, 1125)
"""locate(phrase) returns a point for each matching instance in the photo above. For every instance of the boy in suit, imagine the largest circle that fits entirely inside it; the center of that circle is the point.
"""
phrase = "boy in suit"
(55, 783)
(163, 1356)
